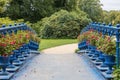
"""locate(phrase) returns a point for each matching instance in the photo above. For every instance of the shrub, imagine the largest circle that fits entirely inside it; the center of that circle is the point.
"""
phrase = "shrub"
(62, 24)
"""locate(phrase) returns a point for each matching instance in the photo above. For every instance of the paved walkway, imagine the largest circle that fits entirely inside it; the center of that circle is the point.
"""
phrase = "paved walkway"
(65, 49)
(59, 63)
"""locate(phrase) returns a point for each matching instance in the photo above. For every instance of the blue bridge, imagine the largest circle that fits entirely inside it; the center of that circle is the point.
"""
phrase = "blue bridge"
(14, 59)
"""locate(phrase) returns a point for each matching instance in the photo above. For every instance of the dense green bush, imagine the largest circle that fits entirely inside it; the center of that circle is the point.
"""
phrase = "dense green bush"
(62, 24)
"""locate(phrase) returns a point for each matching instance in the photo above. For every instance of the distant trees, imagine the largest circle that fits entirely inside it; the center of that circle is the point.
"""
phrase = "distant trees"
(34, 10)
(31, 10)
(92, 8)
(65, 4)
(111, 17)
(51, 18)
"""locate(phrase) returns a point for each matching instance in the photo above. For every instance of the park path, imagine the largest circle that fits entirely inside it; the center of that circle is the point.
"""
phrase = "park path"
(58, 63)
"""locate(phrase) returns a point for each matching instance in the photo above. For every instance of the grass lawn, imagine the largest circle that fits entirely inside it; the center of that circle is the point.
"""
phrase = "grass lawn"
(48, 43)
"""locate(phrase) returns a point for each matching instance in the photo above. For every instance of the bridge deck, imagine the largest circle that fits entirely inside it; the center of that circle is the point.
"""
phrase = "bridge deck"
(49, 66)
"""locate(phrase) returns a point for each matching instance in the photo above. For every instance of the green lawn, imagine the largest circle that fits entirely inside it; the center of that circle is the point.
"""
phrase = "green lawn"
(48, 43)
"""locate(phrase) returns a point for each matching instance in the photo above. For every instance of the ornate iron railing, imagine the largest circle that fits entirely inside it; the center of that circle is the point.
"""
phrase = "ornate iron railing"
(107, 30)
(14, 28)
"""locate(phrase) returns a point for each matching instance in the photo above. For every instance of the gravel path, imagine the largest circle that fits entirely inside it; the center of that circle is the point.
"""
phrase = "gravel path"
(59, 63)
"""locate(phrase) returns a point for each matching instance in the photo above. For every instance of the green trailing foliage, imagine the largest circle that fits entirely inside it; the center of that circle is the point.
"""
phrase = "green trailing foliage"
(62, 24)
(76, 50)
(116, 74)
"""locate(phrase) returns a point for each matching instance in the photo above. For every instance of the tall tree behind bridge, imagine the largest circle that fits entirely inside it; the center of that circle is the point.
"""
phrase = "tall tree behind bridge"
(32, 10)
(92, 8)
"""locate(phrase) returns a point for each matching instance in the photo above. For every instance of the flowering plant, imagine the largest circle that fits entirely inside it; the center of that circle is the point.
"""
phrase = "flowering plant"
(6, 45)
(2, 47)
(84, 36)
(11, 42)
(93, 38)
(90, 36)
(106, 44)
(23, 36)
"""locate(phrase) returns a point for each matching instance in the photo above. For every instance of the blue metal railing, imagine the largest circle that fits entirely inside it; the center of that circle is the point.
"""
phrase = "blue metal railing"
(14, 28)
(107, 30)
(18, 55)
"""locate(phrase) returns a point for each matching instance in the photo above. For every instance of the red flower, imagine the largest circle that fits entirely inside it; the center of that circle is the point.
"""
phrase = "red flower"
(12, 43)
(92, 36)
(5, 55)
(3, 36)
(3, 44)
(108, 39)
(91, 30)
(96, 38)
(27, 36)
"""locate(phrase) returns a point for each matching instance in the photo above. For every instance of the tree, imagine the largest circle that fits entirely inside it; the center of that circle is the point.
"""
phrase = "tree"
(32, 10)
(65, 4)
(92, 8)
(111, 17)
(3, 4)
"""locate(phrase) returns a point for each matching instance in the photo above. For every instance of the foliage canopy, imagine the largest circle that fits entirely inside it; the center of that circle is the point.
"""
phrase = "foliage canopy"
(62, 24)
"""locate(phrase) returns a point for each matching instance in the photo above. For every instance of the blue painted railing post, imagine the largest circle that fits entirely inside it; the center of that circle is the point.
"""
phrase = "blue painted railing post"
(3, 25)
(103, 32)
(117, 47)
